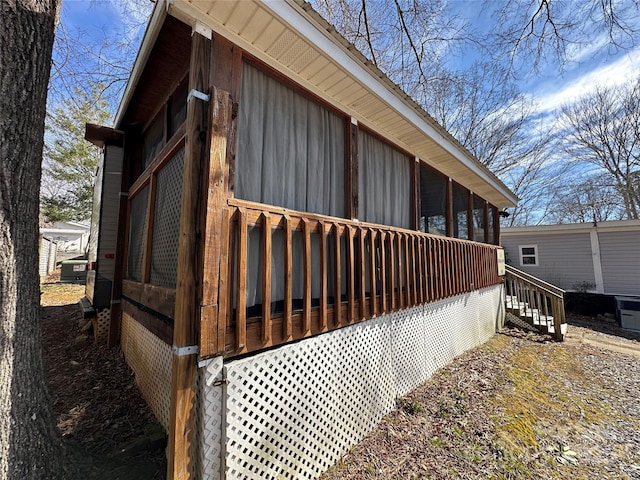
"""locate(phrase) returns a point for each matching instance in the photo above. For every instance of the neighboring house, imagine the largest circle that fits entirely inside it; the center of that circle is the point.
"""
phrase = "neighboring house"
(274, 286)
(72, 238)
(600, 258)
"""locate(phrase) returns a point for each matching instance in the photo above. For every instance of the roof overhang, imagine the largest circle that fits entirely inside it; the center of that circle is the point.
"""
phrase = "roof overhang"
(290, 37)
(610, 226)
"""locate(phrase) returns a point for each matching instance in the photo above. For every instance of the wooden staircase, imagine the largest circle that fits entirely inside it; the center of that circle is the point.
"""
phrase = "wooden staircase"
(538, 303)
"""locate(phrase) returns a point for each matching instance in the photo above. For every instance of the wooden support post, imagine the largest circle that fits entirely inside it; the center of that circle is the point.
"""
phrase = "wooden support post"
(496, 226)
(419, 258)
(391, 272)
(323, 277)
(306, 306)
(383, 271)
(470, 232)
(216, 236)
(351, 275)
(241, 282)
(266, 279)
(288, 269)
(485, 219)
(337, 278)
(224, 308)
(449, 208)
(352, 166)
(373, 310)
(407, 270)
(189, 270)
(363, 280)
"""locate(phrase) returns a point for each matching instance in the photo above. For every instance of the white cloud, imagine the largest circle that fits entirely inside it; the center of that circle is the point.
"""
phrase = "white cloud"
(615, 73)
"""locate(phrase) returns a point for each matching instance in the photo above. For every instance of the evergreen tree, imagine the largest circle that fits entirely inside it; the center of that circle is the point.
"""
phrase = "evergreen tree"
(70, 161)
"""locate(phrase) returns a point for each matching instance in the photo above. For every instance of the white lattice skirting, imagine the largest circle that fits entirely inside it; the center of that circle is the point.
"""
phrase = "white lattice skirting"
(293, 411)
(150, 358)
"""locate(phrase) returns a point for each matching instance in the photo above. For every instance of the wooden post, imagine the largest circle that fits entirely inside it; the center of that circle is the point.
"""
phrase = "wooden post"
(449, 207)
(353, 167)
(337, 278)
(216, 231)
(185, 331)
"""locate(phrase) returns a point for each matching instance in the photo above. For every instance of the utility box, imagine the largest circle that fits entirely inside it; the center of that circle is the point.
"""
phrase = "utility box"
(73, 271)
(628, 309)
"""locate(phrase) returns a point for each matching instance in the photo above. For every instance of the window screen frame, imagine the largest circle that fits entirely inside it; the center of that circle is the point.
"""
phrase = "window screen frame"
(533, 255)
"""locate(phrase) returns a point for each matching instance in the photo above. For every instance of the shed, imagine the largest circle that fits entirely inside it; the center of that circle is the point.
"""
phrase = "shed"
(298, 243)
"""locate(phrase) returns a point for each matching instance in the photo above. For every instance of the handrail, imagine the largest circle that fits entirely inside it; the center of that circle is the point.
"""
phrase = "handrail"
(534, 294)
(345, 272)
(535, 280)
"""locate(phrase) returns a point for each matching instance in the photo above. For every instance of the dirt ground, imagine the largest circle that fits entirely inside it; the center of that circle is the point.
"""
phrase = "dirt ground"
(519, 406)
(98, 407)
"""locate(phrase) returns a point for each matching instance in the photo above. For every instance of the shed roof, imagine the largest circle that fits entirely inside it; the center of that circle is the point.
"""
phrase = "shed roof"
(294, 39)
(610, 226)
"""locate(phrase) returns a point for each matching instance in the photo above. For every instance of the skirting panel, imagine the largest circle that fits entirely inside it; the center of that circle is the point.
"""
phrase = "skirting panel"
(292, 412)
(101, 325)
(150, 358)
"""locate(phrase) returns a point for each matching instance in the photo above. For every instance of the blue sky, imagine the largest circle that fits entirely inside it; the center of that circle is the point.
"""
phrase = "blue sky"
(590, 63)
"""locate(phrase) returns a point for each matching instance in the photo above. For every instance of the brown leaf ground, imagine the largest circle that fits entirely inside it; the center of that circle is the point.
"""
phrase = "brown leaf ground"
(96, 402)
(519, 406)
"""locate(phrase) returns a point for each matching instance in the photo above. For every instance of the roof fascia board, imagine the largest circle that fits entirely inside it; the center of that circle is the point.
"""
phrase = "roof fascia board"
(150, 35)
(613, 225)
(291, 14)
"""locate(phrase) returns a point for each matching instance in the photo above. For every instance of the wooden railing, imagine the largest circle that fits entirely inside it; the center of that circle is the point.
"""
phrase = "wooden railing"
(334, 273)
(536, 298)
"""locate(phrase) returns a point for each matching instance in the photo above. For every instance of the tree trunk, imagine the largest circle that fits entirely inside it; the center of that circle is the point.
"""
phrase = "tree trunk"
(30, 446)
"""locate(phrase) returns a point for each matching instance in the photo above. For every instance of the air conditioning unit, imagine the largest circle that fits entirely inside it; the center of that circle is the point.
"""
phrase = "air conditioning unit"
(628, 309)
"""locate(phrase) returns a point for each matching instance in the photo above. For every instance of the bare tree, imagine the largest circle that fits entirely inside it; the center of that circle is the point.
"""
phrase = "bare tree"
(30, 447)
(533, 32)
(582, 200)
(603, 129)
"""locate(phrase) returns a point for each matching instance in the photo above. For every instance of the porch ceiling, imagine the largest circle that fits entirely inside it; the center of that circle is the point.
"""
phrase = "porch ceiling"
(291, 37)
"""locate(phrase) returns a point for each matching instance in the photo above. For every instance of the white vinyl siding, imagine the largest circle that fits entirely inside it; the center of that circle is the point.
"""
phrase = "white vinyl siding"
(564, 259)
(620, 257)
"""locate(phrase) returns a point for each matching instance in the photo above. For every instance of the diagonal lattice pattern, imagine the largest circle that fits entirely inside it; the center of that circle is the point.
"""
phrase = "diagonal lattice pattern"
(293, 411)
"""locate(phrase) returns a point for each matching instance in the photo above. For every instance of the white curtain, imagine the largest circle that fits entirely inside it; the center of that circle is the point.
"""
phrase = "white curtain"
(291, 155)
(384, 179)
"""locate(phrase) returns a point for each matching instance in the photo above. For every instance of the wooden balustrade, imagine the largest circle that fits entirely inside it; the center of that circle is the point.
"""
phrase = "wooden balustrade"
(539, 302)
(344, 272)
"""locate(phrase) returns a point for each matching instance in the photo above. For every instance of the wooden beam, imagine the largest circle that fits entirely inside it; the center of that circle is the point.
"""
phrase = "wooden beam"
(215, 240)
(186, 318)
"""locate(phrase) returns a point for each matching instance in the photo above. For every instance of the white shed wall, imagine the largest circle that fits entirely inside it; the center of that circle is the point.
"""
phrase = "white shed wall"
(620, 257)
(564, 259)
